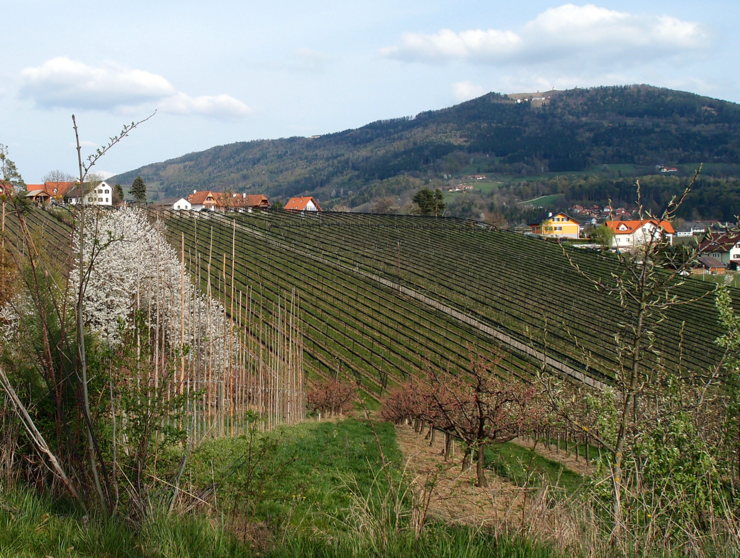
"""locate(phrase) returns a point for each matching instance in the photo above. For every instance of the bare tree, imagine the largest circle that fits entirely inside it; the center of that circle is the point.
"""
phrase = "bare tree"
(331, 397)
(484, 408)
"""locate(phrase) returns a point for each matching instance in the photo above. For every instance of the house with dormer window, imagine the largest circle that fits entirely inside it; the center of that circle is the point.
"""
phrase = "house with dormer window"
(203, 199)
(724, 246)
(557, 225)
(632, 234)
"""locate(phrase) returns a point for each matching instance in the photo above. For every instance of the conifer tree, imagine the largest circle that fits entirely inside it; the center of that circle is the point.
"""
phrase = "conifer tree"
(138, 190)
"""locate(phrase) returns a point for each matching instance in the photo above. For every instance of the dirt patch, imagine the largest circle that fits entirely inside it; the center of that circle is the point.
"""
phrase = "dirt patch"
(527, 512)
(455, 497)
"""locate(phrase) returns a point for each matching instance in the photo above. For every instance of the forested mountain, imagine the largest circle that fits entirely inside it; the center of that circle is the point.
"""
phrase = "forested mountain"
(570, 131)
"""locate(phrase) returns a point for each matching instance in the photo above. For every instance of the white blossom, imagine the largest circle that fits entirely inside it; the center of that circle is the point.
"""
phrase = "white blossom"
(134, 268)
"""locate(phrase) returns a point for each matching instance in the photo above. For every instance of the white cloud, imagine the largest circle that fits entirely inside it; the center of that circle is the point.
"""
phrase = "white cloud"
(221, 106)
(448, 45)
(62, 82)
(67, 83)
(573, 34)
(466, 90)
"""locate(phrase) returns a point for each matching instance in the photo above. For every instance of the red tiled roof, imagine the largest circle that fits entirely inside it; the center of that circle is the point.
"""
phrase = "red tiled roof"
(58, 188)
(199, 197)
(256, 200)
(300, 203)
(631, 226)
(53, 189)
(719, 242)
(242, 200)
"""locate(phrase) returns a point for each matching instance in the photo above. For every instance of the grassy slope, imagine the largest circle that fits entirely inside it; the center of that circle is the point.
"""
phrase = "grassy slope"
(311, 497)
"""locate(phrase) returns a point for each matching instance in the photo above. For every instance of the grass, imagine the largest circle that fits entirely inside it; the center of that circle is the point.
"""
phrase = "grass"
(297, 469)
(729, 279)
(322, 492)
(33, 525)
(522, 466)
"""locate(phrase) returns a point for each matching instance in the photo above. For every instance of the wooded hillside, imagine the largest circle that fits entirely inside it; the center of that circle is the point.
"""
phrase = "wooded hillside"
(573, 131)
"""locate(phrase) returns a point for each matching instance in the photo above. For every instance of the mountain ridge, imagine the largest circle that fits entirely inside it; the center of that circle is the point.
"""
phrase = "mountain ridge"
(569, 131)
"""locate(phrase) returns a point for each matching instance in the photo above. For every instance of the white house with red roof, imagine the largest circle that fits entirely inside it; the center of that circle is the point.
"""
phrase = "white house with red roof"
(302, 203)
(98, 194)
(203, 199)
(724, 246)
(635, 233)
(182, 205)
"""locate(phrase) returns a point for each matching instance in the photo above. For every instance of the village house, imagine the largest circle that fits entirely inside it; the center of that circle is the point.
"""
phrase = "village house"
(696, 228)
(6, 188)
(632, 234)
(182, 205)
(708, 264)
(48, 191)
(243, 201)
(100, 194)
(202, 199)
(556, 225)
(723, 246)
(304, 203)
(220, 201)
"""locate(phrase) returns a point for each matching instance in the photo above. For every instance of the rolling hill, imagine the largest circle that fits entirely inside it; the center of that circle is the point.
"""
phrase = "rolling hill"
(569, 131)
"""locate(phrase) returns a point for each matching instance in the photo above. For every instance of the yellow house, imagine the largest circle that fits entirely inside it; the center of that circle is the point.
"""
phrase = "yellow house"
(557, 225)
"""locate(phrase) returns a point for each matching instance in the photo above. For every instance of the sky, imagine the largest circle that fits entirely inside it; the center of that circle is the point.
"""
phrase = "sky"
(223, 71)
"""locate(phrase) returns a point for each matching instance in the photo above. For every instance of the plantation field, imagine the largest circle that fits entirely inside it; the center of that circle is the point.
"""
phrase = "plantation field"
(385, 297)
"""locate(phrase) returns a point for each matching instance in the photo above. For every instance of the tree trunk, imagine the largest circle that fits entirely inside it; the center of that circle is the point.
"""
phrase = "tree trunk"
(449, 445)
(466, 458)
(480, 467)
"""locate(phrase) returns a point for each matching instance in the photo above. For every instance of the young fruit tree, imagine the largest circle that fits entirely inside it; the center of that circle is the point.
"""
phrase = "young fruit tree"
(483, 407)
(331, 397)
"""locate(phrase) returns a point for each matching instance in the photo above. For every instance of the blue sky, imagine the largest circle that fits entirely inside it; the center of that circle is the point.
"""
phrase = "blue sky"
(224, 71)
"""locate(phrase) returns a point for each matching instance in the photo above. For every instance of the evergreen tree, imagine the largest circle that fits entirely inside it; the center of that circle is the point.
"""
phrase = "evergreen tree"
(117, 194)
(138, 190)
(8, 172)
(430, 202)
